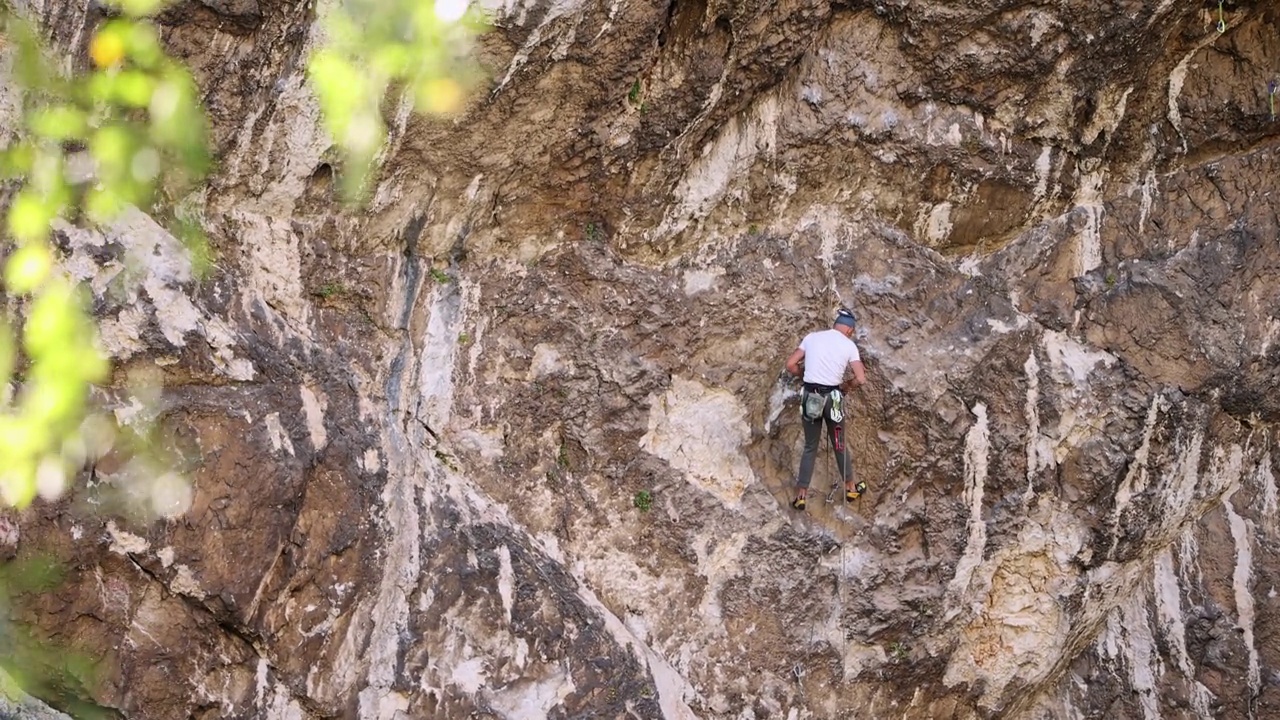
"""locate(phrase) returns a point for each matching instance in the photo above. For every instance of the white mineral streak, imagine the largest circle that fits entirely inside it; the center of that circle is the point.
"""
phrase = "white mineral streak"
(1019, 628)
(1128, 638)
(165, 267)
(313, 408)
(1111, 104)
(279, 436)
(701, 280)
(274, 271)
(532, 699)
(1149, 187)
(1265, 479)
(673, 690)
(719, 560)
(1189, 556)
(1070, 366)
(506, 581)
(1136, 479)
(1168, 596)
(418, 481)
(1043, 166)
(507, 13)
(1240, 581)
(976, 449)
(933, 223)
(702, 432)
(1088, 198)
(726, 158)
(777, 402)
(1177, 77)
(124, 542)
(1038, 457)
(261, 682)
(1226, 467)
(439, 354)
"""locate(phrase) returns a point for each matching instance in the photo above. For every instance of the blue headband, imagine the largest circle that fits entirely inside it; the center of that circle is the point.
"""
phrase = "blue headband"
(846, 318)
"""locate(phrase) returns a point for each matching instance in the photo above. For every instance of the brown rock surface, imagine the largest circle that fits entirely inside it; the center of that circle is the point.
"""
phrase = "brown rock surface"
(421, 427)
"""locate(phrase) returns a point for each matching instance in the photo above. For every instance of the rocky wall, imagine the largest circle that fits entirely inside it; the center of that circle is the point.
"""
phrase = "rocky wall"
(418, 429)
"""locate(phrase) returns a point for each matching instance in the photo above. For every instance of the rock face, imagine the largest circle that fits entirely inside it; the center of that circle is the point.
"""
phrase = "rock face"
(512, 440)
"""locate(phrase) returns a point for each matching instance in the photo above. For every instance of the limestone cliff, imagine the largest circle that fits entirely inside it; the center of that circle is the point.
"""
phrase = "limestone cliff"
(422, 425)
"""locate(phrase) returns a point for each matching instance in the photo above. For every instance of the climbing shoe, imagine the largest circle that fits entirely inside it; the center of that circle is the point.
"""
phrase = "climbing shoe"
(853, 494)
(798, 503)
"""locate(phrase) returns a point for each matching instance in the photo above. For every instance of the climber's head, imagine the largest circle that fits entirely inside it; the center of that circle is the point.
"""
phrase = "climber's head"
(845, 322)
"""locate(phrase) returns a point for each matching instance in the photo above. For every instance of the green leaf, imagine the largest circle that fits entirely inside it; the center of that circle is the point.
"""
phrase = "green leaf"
(59, 123)
(112, 147)
(17, 160)
(28, 268)
(143, 43)
(102, 204)
(134, 88)
(50, 324)
(55, 403)
(18, 484)
(29, 218)
(140, 8)
(94, 366)
(392, 60)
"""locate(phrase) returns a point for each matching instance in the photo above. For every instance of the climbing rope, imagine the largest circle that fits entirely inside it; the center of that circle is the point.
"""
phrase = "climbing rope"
(1222, 20)
(827, 451)
(844, 447)
(837, 478)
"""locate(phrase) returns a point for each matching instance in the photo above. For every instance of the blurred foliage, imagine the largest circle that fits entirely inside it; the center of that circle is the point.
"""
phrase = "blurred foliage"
(93, 143)
(419, 46)
(123, 128)
(128, 131)
(32, 664)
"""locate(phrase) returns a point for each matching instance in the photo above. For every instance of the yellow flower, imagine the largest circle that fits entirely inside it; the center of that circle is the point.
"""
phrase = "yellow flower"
(106, 49)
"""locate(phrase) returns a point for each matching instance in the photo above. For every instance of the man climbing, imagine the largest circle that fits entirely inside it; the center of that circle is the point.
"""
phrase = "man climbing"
(825, 356)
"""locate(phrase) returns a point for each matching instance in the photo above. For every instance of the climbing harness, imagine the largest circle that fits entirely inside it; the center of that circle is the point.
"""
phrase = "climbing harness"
(837, 406)
(812, 404)
(1222, 21)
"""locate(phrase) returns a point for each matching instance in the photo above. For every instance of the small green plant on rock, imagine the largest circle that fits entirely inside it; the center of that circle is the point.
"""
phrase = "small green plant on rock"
(898, 652)
(446, 459)
(330, 289)
(643, 500)
(464, 339)
(633, 95)
(594, 233)
(439, 276)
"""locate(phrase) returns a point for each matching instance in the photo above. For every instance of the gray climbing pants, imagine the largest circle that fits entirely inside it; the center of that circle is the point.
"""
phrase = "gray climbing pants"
(813, 436)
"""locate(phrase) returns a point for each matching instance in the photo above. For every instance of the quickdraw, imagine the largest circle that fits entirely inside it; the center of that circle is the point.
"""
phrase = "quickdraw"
(1222, 20)
(1272, 88)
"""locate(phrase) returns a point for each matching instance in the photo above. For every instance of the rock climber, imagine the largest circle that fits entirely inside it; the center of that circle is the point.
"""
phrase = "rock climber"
(825, 356)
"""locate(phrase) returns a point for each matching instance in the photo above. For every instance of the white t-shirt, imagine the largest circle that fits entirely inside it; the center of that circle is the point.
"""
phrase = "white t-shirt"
(826, 355)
